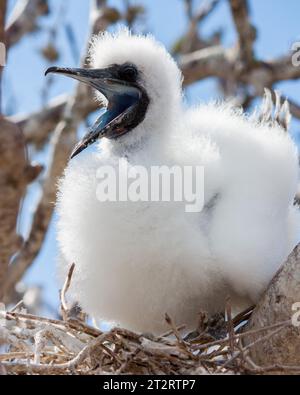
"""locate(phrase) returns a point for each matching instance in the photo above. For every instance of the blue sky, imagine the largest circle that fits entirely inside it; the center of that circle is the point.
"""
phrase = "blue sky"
(278, 26)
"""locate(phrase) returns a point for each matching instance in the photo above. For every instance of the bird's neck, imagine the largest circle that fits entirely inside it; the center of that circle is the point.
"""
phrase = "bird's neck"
(130, 143)
(152, 133)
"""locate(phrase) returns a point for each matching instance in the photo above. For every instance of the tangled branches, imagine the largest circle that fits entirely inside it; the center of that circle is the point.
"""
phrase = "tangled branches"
(37, 345)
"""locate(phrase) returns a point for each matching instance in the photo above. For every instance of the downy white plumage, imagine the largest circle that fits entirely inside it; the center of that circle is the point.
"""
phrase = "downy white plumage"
(135, 261)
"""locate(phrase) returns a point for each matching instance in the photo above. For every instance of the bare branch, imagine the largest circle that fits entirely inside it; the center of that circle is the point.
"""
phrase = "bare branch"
(24, 19)
(206, 8)
(208, 62)
(283, 69)
(37, 127)
(192, 40)
(12, 188)
(246, 31)
(219, 62)
(15, 175)
(3, 6)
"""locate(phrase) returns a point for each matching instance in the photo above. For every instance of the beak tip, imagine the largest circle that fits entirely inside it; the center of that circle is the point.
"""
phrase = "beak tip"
(50, 70)
(78, 148)
(73, 154)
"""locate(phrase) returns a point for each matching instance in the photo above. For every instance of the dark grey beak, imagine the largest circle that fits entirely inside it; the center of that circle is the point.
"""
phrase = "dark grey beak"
(121, 97)
(100, 79)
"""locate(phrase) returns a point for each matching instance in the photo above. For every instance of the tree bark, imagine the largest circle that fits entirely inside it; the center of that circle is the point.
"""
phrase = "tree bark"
(13, 167)
(278, 305)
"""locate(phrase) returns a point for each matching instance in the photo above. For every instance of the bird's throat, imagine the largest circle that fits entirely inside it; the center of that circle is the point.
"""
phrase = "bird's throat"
(117, 107)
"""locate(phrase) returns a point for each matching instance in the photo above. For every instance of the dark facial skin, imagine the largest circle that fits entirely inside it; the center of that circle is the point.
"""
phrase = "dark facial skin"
(127, 100)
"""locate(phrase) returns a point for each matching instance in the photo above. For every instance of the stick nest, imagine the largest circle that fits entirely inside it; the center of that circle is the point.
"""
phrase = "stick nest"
(36, 345)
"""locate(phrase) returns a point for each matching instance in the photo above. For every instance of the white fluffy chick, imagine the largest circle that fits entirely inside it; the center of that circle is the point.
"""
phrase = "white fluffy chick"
(136, 261)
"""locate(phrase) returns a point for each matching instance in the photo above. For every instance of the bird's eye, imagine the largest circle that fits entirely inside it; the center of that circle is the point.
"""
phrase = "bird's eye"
(129, 73)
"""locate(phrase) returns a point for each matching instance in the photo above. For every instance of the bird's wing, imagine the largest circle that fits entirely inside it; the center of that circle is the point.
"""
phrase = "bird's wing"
(255, 173)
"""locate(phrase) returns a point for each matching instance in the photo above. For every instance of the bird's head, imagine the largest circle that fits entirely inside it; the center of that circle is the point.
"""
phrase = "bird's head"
(136, 78)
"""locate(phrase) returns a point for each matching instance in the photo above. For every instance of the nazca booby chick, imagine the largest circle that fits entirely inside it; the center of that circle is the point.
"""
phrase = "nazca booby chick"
(135, 261)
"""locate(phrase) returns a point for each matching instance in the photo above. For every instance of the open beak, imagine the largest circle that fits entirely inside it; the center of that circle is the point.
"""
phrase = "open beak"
(122, 98)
